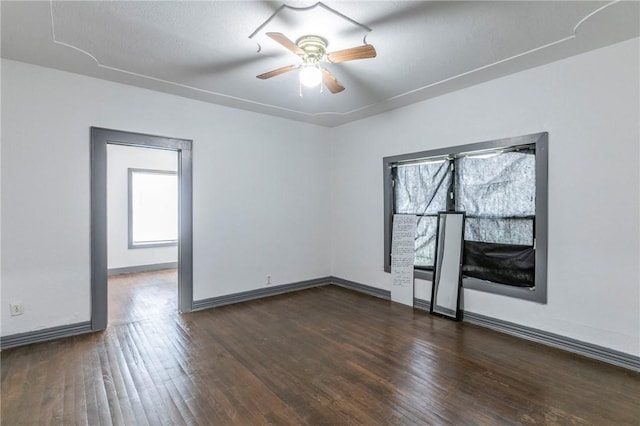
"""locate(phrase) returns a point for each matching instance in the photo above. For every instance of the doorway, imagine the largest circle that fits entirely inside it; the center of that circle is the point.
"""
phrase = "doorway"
(142, 233)
(100, 140)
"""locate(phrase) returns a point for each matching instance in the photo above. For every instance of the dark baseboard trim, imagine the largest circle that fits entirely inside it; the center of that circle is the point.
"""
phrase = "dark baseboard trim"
(44, 335)
(377, 292)
(590, 350)
(259, 293)
(600, 353)
(362, 288)
(424, 305)
(142, 268)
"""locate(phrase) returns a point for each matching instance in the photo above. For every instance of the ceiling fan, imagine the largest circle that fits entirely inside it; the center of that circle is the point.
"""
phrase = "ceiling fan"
(312, 49)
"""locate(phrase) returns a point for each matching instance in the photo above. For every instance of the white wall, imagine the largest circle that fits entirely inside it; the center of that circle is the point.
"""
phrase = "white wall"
(264, 187)
(260, 191)
(589, 104)
(119, 160)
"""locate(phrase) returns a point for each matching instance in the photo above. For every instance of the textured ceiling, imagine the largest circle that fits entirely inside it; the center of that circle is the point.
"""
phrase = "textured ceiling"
(203, 50)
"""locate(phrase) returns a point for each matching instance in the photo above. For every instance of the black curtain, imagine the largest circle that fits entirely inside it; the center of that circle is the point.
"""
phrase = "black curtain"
(500, 263)
(497, 192)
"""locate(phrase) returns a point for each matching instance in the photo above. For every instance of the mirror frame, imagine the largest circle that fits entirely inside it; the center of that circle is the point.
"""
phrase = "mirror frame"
(457, 314)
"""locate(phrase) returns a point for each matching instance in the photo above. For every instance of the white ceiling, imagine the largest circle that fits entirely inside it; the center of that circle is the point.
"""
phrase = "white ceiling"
(202, 50)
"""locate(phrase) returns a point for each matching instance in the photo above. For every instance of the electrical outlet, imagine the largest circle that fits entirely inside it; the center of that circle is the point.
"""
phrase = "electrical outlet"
(16, 308)
(268, 280)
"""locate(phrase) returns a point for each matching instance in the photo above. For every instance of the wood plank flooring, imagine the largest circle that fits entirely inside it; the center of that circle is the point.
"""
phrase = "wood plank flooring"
(144, 295)
(323, 356)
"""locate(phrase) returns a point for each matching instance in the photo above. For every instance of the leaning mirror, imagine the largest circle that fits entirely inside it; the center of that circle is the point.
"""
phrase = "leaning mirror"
(447, 277)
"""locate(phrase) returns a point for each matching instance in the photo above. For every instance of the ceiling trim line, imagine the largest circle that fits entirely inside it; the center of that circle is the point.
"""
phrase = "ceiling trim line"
(327, 113)
(464, 74)
(303, 9)
(528, 52)
(598, 10)
(185, 86)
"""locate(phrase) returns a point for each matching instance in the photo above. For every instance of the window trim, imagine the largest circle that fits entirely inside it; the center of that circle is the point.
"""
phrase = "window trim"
(538, 293)
(152, 244)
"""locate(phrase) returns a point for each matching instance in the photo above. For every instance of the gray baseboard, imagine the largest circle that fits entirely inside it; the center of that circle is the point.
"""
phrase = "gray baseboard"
(142, 268)
(259, 293)
(44, 335)
(377, 292)
(590, 350)
(362, 288)
(424, 305)
(600, 353)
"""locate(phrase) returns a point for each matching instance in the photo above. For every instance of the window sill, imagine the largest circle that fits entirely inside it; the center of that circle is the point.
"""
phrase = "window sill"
(524, 293)
(152, 244)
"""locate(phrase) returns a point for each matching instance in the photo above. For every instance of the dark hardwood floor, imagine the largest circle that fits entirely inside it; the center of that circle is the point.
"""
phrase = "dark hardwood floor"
(324, 356)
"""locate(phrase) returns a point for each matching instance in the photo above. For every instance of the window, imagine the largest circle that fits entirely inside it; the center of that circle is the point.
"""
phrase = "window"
(153, 208)
(501, 185)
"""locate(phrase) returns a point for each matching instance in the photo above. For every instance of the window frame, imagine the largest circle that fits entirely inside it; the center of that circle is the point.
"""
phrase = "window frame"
(152, 244)
(538, 293)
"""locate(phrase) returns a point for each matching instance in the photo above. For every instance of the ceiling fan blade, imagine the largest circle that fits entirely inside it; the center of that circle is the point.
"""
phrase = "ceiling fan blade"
(361, 52)
(284, 41)
(278, 71)
(331, 82)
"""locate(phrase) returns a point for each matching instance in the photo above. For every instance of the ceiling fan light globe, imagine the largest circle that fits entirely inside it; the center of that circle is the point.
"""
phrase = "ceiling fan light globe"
(310, 76)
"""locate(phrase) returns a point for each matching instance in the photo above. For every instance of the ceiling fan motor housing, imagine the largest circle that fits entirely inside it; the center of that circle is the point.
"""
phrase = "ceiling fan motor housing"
(314, 47)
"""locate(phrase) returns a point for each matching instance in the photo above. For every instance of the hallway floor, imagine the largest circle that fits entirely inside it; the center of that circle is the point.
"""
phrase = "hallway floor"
(142, 296)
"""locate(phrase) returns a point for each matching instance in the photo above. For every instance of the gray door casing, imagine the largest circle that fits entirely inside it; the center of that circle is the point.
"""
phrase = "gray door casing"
(99, 139)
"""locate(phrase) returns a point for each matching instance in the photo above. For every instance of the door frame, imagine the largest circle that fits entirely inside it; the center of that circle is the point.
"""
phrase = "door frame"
(100, 138)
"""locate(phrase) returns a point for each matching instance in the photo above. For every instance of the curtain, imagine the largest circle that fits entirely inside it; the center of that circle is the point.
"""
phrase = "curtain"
(422, 189)
(497, 193)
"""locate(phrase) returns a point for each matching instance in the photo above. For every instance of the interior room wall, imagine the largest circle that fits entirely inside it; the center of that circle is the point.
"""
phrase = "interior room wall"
(294, 201)
(119, 160)
(260, 191)
(589, 104)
